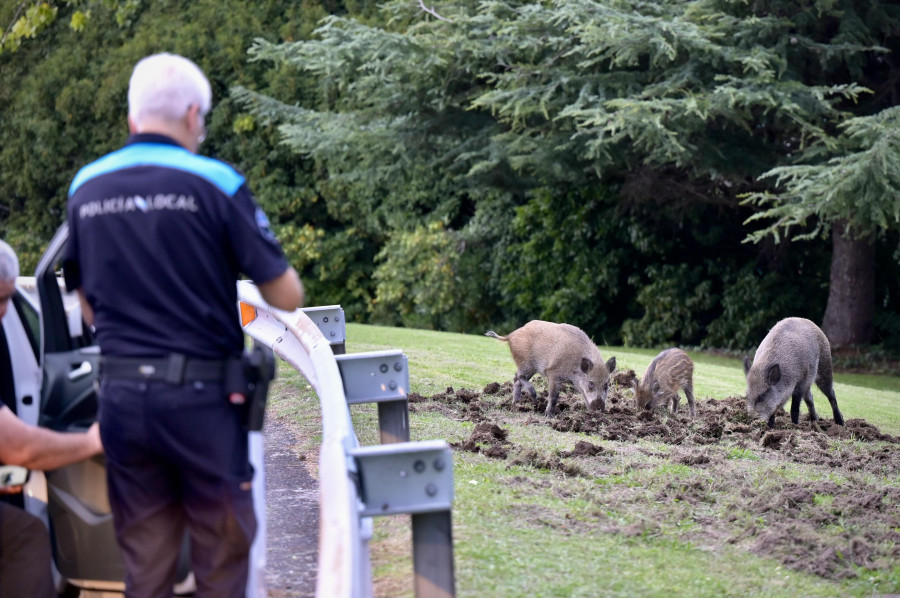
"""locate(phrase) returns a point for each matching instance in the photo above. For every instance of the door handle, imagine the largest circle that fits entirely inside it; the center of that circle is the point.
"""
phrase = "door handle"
(81, 371)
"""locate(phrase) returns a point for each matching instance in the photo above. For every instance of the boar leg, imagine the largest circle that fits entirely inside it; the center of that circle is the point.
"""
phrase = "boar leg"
(529, 389)
(673, 403)
(552, 397)
(808, 399)
(827, 388)
(522, 379)
(689, 393)
(838, 418)
(795, 405)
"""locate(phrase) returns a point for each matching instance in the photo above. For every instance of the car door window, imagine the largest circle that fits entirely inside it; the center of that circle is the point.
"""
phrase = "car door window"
(32, 321)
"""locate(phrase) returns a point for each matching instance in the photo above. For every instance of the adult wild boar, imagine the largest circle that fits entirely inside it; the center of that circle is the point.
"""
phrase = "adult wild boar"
(793, 355)
(561, 353)
(669, 372)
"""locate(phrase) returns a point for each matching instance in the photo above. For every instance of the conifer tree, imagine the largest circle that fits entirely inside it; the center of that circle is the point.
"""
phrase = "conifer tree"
(674, 102)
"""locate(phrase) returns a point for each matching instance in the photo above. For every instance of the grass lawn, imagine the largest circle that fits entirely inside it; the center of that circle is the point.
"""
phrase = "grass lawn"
(753, 513)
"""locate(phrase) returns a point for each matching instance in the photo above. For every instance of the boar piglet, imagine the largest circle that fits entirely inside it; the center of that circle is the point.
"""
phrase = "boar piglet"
(793, 355)
(561, 353)
(669, 372)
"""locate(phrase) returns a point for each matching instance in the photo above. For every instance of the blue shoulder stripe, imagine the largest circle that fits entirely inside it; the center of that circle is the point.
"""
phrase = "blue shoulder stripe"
(218, 173)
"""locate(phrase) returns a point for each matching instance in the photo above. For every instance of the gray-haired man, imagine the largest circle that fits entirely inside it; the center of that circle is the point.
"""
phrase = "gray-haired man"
(158, 237)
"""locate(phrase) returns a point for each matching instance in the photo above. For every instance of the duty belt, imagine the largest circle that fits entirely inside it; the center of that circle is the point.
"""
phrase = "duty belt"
(175, 368)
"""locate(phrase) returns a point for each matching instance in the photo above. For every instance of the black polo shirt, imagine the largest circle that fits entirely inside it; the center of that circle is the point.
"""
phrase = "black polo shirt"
(158, 237)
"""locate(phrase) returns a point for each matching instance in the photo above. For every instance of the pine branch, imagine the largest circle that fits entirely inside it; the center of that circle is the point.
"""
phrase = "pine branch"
(432, 12)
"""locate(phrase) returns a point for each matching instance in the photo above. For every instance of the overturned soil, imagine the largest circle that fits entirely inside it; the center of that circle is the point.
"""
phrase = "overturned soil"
(817, 497)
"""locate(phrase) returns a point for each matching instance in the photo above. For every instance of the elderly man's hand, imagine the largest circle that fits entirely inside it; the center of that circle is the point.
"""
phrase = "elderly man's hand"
(94, 435)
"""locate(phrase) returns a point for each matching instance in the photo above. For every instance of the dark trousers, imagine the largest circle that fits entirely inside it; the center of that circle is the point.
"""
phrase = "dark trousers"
(24, 555)
(176, 457)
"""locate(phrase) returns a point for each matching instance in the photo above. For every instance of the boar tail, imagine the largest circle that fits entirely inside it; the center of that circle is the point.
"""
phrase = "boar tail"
(493, 334)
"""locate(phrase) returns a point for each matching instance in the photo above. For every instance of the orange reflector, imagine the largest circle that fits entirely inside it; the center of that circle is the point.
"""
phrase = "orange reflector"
(248, 313)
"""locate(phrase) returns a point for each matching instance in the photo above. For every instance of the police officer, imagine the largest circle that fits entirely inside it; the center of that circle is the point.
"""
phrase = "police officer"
(24, 539)
(158, 237)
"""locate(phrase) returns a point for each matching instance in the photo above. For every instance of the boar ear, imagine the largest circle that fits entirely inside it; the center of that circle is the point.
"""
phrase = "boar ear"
(746, 365)
(773, 374)
(586, 365)
(611, 364)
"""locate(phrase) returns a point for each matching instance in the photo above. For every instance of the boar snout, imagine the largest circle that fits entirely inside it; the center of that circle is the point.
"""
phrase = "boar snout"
(596, 397)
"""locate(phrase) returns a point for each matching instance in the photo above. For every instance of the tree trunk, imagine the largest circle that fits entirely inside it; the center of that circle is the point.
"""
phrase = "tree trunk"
(851, 295)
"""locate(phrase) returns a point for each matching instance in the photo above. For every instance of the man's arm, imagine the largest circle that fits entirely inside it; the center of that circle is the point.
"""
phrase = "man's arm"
(284, 292)
(87, 313)
(38, 448)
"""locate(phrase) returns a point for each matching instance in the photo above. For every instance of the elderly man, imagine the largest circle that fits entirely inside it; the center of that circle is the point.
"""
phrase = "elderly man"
(24, 540)
(158, 237)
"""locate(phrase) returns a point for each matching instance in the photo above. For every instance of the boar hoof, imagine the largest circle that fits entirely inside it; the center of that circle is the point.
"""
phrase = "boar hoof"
(771, 422)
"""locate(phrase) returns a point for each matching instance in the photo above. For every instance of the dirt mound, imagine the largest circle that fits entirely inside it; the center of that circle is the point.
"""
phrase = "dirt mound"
(487, 439)
(583, 449)
(624, 378)
(540, 460)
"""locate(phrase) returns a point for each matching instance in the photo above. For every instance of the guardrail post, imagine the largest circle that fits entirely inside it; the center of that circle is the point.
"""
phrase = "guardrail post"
(393, 421)
(433, 555)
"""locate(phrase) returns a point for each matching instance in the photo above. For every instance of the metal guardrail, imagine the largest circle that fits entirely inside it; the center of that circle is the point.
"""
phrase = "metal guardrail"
(358, 482)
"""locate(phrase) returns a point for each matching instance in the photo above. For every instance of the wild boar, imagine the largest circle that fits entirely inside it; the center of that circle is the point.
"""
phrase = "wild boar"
(669, 372)
(793, 355)
(561, 353)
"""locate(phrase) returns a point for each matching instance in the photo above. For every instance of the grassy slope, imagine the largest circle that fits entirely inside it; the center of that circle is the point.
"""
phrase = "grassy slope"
(522, 531)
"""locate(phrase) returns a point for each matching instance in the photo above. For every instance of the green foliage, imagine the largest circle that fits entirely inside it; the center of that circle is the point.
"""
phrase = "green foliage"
(343, 273)
(27, 23)
(677, 301)
(664, 111)
(751, 303)
(567, 261)
(416, 281)
(859, 185)
(585, 161)
(63, 104)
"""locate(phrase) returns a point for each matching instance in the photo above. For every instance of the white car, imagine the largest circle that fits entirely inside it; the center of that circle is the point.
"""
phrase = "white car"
(54, 362)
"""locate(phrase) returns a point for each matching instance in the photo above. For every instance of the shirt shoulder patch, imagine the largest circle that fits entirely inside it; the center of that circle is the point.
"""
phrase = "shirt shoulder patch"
(262, 222)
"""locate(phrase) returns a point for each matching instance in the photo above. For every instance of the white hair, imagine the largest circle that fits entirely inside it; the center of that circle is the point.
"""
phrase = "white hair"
(9, 262)
(165, 86)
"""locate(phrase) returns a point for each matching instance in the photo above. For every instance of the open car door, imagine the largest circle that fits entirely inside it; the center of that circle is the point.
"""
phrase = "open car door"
(81, 525)
(85, 552)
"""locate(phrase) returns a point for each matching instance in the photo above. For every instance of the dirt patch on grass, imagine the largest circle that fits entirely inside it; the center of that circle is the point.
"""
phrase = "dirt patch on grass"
(817, 497)
(487, 439)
